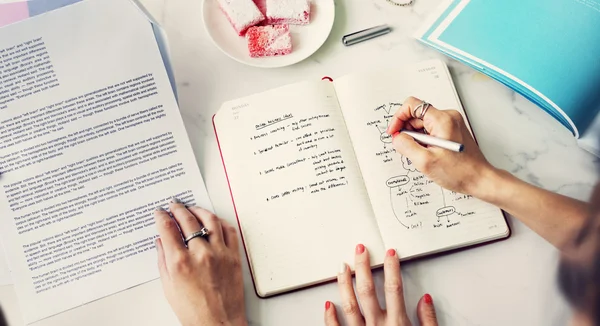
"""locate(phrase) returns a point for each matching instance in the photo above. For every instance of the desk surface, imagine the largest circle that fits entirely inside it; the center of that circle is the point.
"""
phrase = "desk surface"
(505, 283)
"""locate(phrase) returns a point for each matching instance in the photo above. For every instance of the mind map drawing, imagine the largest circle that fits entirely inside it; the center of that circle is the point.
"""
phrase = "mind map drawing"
(416, 201)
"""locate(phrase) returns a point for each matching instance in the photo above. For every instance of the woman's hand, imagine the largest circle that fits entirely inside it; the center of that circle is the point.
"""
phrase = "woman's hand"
(203, 281)
(463, 172)
(372, 314)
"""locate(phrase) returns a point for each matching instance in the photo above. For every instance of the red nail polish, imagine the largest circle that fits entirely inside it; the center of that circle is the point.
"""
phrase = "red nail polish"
(360, 249)
(327, 305)
(428, 299)
(391, 252)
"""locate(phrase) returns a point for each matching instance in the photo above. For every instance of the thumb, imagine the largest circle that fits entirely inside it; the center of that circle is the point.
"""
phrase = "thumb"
(426, 311)
(407, 146)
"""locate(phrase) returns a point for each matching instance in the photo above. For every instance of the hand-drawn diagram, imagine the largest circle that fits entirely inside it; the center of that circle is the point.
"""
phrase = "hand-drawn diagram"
(387, 153)
(416, 201)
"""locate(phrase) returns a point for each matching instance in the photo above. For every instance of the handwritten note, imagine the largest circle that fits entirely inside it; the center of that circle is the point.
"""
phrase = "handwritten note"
(313, 142)
(413, 197)
(414, 214)
(313, 172)
(294, 177)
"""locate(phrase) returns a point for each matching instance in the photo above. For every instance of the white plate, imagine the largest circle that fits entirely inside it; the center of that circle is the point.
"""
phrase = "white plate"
(306, 40)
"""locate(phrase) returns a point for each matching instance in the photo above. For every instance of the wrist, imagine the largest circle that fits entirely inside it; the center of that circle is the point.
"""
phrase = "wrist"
(489, 183)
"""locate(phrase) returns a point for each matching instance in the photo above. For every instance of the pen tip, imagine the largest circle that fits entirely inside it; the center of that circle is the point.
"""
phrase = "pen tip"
(461, 148)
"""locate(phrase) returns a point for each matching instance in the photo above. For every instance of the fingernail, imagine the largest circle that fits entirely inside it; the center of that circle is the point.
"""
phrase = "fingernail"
(327, 305)
(175, 200)
(428, 298)
(391, 252)
(360, 249)
(160, 209)
(343, 268)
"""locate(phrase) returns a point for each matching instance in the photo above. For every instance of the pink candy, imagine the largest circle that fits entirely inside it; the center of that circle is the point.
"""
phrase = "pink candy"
(262, 6)
(242, 14)
(272, 40)
(295, 12)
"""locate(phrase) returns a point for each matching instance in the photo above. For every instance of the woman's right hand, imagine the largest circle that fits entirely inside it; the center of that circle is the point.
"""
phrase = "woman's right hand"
(463, 172)
(202, 279)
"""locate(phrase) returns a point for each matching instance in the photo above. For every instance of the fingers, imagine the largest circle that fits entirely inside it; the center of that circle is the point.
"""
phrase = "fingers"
(414, 124)
(411, 104)
(162, 265)
(330, 315)
(403, 116)
(350, 307)
(407, 146)
(394, 296)
(171, 240)
(187, 222)
(211, 222)
(230, 235)
(365, 287)
(426, 311)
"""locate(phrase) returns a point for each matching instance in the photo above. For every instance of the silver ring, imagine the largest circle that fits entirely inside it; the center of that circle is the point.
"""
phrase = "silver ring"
(427, 106)
(424, 106)
(203, 233)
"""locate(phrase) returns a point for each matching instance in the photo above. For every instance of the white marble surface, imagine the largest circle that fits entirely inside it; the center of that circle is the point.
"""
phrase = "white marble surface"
(505, 283)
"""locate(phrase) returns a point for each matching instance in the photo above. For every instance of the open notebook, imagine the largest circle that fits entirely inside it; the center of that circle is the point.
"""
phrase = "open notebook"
(312, 174)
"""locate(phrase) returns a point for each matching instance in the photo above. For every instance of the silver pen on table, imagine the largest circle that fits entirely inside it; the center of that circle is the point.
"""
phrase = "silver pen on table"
(365, 34)
(434, 141)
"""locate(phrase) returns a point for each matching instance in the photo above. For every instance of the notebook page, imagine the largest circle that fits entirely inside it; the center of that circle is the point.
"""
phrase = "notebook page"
(298, 192)
(415, 215)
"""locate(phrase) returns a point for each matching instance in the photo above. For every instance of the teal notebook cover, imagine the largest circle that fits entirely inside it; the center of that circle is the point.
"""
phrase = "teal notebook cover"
(552, 46)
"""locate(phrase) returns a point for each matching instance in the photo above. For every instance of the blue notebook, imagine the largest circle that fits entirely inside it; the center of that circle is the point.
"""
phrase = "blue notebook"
(548, 52)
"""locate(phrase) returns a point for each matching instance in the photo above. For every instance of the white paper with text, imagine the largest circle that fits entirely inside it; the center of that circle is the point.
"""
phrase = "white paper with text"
(91, 141)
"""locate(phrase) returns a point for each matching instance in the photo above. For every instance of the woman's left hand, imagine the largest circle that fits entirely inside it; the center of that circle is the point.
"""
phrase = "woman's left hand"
(203, 280)
(372, 314)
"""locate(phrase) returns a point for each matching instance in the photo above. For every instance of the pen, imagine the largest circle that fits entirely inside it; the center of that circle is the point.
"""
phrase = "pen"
(434, 141)
(365, 34)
